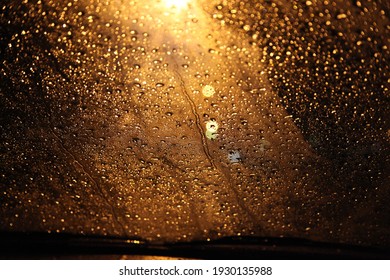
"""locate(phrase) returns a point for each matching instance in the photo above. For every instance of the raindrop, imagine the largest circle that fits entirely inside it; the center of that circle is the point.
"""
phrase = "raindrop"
(234, 156)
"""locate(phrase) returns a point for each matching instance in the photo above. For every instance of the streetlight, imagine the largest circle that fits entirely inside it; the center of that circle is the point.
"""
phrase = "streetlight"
(178, 4)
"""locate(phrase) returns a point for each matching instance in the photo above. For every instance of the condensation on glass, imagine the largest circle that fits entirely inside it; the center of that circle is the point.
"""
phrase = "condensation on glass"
(194, 120)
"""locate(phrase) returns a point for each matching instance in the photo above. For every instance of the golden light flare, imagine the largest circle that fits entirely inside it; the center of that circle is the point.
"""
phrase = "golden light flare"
(178, 4)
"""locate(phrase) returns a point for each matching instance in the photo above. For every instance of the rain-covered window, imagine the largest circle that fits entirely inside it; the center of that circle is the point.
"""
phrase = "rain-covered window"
(195, 120)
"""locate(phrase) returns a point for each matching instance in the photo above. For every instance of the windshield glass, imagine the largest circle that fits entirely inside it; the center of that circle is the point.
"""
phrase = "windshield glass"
(194, 120)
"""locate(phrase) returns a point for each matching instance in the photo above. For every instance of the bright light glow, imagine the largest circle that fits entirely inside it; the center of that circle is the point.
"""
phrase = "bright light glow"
(178, 4)
(212, 126)
(211, 130)
(208, 91)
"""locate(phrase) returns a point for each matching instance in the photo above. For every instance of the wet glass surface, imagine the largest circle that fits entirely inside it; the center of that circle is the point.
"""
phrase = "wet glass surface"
(197, 120)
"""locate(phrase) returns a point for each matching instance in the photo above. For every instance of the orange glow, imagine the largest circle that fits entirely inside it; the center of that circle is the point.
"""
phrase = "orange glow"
(178, 4)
